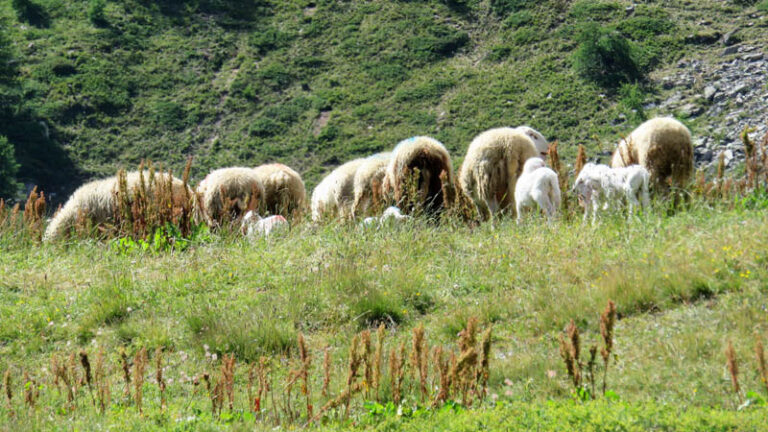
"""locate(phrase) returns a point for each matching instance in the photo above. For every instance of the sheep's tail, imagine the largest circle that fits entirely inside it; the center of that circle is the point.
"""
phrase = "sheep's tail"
(62, 222)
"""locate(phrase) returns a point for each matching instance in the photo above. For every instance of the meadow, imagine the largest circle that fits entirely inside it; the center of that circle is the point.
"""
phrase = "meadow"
(686, 282)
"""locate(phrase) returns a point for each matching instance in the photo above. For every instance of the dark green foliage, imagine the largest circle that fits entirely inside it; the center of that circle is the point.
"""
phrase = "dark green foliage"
(96, 12)
(438, 42)
(169, 114)
(519, 19)
(31, 12)
(763, 6)
(606, 57)
(744, 2)
(8, 169)
(590, 10)
(499, 53)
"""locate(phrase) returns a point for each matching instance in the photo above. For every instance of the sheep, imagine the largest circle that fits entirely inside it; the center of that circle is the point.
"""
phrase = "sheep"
(537, 185)
(661, 145)
(97, 200)
(431, 159)
(368, 182)
(493, 163)
(391, 215)
(599, 183)
(254, 225)
(232, 190)
(335, 194)
(541, 143)
(284, 192)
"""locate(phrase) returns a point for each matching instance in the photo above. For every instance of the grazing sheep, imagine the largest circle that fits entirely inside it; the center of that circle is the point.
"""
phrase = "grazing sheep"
(431, 159)
(537, 185)
(254, 225)
(494, 161)
(391, 215)
(227, 193)
(284, 192)
(97, 200)
(335, 194)
(598, 184)
(368, 182)
(541, 143)
(661, 145)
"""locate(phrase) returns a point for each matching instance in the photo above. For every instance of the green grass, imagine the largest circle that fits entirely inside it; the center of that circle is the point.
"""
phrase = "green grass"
(106, 84)
(684, 286)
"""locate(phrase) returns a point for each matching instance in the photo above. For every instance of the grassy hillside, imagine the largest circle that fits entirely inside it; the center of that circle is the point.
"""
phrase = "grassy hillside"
(101, 84)
(684, 286)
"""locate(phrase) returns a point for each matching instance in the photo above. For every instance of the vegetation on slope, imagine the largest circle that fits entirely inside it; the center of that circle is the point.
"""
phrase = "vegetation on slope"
(100, 84)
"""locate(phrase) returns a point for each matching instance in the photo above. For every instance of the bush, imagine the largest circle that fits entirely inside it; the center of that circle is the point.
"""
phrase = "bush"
(763, 6)
(96, 12)
(606, 57)
(31, 12)
(8, 169)
(631, 98)
(593, 11)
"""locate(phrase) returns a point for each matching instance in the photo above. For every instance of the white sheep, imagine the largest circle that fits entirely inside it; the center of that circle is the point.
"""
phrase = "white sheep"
(493, 163)
(599, 186)
(97, 200)
(541, 143)
(254, 225)
(284, 192)
(537, 185)
(661, 145)
(369, 180)
(234, 189)
(430, 157)
(389, 216)
(335, 194)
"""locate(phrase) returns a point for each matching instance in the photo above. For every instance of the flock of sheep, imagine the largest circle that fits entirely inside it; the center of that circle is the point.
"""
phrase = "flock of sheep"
(503, 171)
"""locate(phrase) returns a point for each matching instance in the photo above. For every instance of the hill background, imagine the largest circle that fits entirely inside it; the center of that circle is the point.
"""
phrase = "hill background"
(89, 86)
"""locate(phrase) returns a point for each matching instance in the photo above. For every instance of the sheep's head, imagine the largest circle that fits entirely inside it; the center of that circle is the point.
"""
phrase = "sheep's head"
(541, 144)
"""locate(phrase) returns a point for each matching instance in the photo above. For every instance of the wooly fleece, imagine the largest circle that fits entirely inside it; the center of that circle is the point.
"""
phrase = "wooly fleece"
(335, 194)
(491, 168)
(236, 188)
(432, 160)
(537, 185)
(599, 184)
(284, 192)
(97, 201)
(541, 143)
(368, 182)
(254, 225)
(661, 145)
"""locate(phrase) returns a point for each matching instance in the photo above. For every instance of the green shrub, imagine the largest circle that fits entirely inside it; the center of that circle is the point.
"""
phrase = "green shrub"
(8, 169)
(499, 53)
(439, 42)
(519, 19)
(744, 2)
(31, 12)
(763, 6)
(606, 57)
(590, 10)
(96, 12)
(169, 114)
(631, 98)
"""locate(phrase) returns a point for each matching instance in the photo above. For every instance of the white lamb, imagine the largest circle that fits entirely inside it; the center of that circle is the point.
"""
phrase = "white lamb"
(254, 225)
(599, 184)
(537, 185)
(391, 215)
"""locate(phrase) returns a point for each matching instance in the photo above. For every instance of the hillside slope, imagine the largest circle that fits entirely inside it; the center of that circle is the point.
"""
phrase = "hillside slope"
(102, 84)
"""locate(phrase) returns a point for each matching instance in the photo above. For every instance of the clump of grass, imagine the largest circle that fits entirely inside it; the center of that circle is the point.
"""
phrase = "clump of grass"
(161, 384)
(139, 365)
(607, 321)
(8, 390)
(761, 364)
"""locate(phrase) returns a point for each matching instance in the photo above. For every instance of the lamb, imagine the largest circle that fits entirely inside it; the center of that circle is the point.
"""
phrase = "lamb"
(97, 200)
(228, 193)
(335, 195)
(598, 184)
(368, 182)
(431, 159)
(254, 225)
(491, 168)
(541, 143)
(391, 215)
(284, 192)
(661, 145)
(537, 185)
